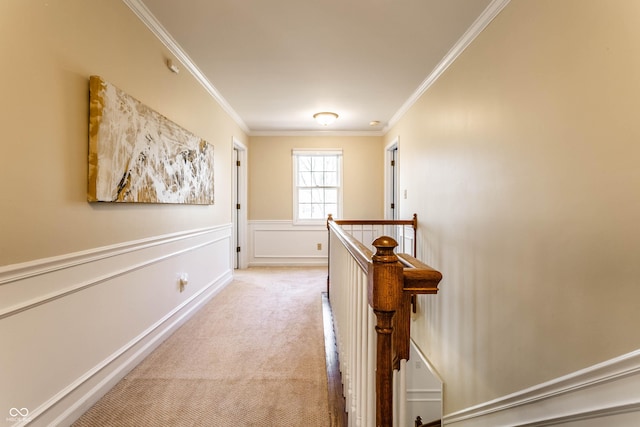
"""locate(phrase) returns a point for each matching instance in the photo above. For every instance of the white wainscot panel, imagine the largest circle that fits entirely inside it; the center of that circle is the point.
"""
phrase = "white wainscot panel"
(424, 388)
(74, 325)
(284, 244)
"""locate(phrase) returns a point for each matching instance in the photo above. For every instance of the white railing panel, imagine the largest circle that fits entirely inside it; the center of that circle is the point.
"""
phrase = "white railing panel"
(354, 324)
(371, 362)
(351, 266)
(367, 233)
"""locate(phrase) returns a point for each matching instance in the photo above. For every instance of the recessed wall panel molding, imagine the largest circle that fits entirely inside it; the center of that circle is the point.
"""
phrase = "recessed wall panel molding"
(33, 283)
(283, 244)
(77, 323)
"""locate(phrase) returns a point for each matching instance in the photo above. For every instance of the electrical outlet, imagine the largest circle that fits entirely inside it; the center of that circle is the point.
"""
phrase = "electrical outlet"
(183, 280)
(319, 246)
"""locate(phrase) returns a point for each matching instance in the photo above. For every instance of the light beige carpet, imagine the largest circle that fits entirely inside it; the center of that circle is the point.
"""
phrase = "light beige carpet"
(253, 356)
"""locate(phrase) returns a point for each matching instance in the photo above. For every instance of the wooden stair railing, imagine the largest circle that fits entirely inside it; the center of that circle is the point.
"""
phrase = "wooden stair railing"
(364, 252)
(392, 283)
(413, 223)
(435, 423)
(418, 279)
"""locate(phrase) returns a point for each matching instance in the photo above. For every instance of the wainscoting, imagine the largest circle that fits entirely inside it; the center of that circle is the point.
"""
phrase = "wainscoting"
(77, 323)
(280, 243)
(423, 389)
(606, 394)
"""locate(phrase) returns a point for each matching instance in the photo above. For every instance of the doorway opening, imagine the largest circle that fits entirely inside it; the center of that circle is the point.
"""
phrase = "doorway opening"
(392, 207)
(239, 205)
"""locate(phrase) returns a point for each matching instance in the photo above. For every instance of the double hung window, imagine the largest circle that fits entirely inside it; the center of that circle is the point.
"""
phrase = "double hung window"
(317, 185)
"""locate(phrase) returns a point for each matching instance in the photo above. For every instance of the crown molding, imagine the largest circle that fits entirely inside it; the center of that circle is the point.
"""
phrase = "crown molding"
(316, 133)
(491, 11)
(145, 15)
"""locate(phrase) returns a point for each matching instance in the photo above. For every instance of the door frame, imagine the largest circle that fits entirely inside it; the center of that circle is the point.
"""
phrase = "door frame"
(239, 197)
(391, 178)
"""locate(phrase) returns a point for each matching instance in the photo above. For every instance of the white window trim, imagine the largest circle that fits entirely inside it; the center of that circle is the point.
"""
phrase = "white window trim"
(309, 152)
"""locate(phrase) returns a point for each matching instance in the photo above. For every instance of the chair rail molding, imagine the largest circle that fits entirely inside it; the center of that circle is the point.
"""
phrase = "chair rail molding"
(115, 303)
(599, 392)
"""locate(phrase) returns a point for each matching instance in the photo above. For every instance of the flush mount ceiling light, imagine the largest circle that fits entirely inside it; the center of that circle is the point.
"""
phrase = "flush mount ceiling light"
(325, 118)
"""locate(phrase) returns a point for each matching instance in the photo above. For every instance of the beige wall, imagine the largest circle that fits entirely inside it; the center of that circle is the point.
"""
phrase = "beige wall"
(49, 50)
(522, 164)
(271, 175)
(87, 290)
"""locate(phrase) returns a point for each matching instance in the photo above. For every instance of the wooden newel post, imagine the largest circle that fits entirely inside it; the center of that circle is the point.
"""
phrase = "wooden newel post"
(385, 296)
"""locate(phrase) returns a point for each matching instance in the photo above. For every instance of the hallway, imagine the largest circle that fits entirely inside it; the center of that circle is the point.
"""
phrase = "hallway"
(254, 355)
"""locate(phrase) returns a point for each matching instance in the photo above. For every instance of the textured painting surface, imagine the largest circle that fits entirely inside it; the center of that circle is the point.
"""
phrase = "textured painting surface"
(138, 155)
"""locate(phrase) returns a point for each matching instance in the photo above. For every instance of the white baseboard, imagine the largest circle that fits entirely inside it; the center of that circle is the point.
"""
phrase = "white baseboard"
(77, 323)
(604, 394)
(78, 397)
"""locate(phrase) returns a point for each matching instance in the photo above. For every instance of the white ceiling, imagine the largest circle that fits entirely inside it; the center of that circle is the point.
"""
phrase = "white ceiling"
(273, 64)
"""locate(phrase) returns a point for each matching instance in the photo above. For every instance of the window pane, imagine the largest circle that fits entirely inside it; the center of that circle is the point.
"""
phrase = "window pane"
(330, 208)
(331, 195)
(317, 195)
(318, 179)
(317, 163)
(304, 211)
(331, 163)
(304, 163)
(317, 211)
(330, 179)
(304, 179)
(304, 195)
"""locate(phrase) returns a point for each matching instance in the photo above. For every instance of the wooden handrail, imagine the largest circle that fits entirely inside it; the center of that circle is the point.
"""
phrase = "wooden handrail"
(412, 222)
(393, 280)
(358, 251)
(419, 278)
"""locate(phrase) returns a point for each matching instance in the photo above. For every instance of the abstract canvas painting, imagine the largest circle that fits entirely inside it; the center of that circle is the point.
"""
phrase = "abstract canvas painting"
(138, 155)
